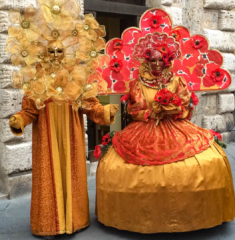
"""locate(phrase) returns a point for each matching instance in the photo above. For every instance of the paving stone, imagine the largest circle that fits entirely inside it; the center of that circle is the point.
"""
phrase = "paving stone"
(20, 185)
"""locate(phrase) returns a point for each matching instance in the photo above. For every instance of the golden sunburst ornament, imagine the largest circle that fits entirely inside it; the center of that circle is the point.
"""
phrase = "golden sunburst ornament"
(58, 53)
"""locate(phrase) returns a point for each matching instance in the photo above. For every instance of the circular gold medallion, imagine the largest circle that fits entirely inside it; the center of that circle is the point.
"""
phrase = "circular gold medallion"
(55, 9)
(25, 24)
(55, 34)
(86, 27)
(93, 54)
(75, 32)
(24, 53)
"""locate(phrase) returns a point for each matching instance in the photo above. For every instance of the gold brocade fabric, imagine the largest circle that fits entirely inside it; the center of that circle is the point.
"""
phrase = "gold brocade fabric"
(187, 195)
(59, 201)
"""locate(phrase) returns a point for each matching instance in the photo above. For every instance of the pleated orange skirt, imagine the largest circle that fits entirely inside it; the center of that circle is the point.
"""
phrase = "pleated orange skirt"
(187, 195)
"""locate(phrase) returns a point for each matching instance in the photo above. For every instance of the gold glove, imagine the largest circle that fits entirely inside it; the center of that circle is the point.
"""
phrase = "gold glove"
(113, 109)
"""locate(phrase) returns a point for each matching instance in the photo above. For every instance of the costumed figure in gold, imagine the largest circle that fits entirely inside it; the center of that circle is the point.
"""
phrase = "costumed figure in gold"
(162, 173)
(58, 54)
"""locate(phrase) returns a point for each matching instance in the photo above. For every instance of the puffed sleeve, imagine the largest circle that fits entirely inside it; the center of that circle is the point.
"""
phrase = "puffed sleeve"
(98, 113)
(183, 93)
(27, 115)
(137, 104)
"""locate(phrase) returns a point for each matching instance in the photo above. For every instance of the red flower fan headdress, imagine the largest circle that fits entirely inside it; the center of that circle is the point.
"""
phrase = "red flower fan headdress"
(192, 58)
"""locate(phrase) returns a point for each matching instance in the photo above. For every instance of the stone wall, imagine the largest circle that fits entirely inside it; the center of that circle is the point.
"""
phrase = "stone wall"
(15, 152)
(215, 20)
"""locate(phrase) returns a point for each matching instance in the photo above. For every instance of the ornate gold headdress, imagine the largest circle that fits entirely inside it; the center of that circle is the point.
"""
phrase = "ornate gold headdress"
(55, 24)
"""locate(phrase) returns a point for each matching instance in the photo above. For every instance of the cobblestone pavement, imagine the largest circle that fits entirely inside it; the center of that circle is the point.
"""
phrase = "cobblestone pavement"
(15, 221)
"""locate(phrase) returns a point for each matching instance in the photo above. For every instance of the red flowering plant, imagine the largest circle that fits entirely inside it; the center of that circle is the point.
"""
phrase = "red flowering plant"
(101, 150)
(116, 65)
(218, 138)
(155, 21)
(118, 44)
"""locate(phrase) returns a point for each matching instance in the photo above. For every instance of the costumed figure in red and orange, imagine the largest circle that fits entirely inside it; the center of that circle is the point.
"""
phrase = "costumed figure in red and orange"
(58, 54)
(162, 173)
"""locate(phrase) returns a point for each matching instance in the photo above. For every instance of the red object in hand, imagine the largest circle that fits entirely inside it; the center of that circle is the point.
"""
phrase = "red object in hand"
(97, 152)
(218, 135)
(176, 100)
(125, 98)
(164, 96)
(105, 139)
(147, 114)
(194, 99)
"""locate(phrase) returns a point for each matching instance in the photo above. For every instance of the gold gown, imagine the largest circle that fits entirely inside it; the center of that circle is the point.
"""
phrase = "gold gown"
(186, 194)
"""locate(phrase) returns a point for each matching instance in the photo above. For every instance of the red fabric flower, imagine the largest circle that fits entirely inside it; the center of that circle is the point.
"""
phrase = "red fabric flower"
(164, 96)
(180, 114)
(147, 114)
(163, 48)
(125, 98)
(198, 42)
(97, 152)
(218, 135)
(155, 21)
(147, 55)
(176, 100)
(118, 44)
(195, 99)
(217, 75)
(105, 139)
(167, 58)
(116, 65)
(175, 34)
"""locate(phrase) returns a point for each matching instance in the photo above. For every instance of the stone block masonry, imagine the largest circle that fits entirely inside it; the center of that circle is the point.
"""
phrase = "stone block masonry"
(15, 152)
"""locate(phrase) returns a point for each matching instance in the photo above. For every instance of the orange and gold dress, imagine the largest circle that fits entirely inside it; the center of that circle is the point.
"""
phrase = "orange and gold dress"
(171, 177)
(59, 193)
